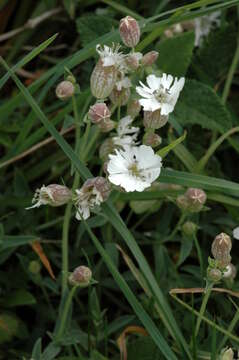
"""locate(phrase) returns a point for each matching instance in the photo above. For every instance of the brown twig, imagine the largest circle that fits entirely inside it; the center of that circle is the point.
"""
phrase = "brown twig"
(30, 24)
(202, 290)
(34, 148)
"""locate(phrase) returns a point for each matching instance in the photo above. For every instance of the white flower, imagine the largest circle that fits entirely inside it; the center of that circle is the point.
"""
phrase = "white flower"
(127, 134)
(123, 83)
(236, 233)
(93, 192)
(161, 93)
(53, 194)
(204, 24)
(111, 56)
(134, 168)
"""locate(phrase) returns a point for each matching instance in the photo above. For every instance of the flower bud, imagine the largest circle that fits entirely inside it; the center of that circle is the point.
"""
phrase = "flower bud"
(182, 202)
(129, 31)
(106, 148)
(227, 354)
(106, 126)
(65, 90)
(214, 275)
(81, 276)
(230, 272)
(103, 79)
(154, 119)
(34, 267)
(221, 248)
(120, 97)
(189, 228)
(133, 60)
(53, 195)
(149, 58)
(152, 139)
(99, 112)
(196, 199)
(133, 108)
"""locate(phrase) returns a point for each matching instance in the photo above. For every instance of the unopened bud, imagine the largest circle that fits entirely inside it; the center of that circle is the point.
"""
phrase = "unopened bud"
(81, 276)
(152, 139)
(34, 267)
(214, 275)
(182, 202)
(106, 148)
(99, 112)
(103, 79)
(65, 90)
(133, 60)
(53, 195)
(226, 354)
(129, 31)
(189, 228)
(120, 97)
(133, 108)
(106, 126)
(221, 248)
(149, 58)
(154, 119)
(196, 199)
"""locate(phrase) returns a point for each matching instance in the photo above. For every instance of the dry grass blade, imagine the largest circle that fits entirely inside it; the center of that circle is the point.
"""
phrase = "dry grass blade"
(40, 252)
(121, 341)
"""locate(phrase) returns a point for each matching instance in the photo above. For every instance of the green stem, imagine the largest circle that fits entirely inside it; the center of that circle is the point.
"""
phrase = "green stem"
(177, 227)
(230, 75)
(65, 313)
(209, 322)
(230, 328)
(203, 161)
(199, 253)
(203, 308)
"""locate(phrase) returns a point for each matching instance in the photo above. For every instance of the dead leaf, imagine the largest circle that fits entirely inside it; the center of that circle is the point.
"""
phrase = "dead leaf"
(39, 250)
(121, 341)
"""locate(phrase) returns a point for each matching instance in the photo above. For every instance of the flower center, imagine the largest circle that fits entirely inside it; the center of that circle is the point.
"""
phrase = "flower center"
(161, 94)
(134, 170)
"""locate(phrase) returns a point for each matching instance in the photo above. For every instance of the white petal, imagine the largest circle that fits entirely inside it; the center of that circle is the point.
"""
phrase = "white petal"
(166, 80)
(144, 92)
(236, 233)
(153, 82)
(150, 104)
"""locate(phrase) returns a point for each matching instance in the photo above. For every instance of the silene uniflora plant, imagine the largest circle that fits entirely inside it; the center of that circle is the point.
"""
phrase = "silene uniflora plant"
(132, 103)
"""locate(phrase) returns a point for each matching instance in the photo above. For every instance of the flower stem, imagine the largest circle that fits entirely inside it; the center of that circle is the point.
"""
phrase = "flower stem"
(199, 253)
(65, 313)
(203, 307)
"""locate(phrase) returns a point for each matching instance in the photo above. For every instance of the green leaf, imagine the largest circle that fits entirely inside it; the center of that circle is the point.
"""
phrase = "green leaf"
(208, 62)
(19, 298)
(37, 350)
(175, 54)
(165, 150)
(9, 324)
(199, 104)
(11, 241)
(92, 26)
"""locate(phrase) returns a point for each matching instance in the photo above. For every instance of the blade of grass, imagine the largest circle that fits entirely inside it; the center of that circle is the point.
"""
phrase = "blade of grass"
(28, 58)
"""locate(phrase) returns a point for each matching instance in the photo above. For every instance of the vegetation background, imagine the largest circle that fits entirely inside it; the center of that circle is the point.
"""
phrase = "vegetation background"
(128, 313)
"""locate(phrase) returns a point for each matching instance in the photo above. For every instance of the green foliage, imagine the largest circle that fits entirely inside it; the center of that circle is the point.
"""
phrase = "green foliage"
(92, 26)
(211, 62)
(200, 105)
(175, 54)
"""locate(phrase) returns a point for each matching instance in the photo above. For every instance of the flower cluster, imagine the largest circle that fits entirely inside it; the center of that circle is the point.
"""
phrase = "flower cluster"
(129, 160)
